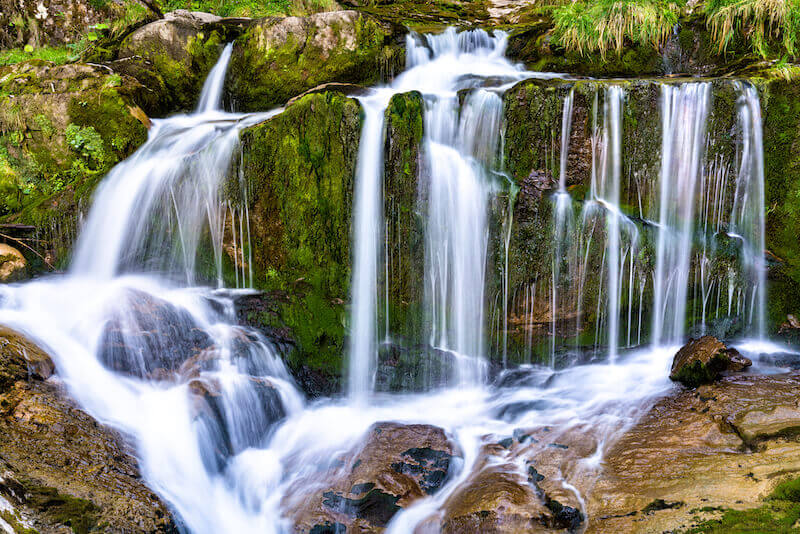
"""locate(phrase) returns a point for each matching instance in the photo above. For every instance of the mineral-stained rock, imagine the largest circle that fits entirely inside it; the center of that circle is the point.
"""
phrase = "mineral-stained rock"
(726, 444)
(497, 500)
(701, 361)
(59, 468)
(13, 265)
(396, 465)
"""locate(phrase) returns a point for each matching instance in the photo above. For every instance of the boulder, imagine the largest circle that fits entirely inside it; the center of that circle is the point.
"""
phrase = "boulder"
(498, 500)
(13, 265)
(702, 360)
(146, 334)
(395, 465)
(279, 58)
(229, 429)
(172, 56)
(59, 468)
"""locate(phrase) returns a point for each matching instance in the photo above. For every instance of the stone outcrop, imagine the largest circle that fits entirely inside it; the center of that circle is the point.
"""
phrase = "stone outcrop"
(702, 360)
(395, 465)
(59, 468)
(279, 58)
(697, 453)
(301, 166)
(13, 265)
(173, 55)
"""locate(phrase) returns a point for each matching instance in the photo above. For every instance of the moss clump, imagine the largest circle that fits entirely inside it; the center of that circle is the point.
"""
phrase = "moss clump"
(10, 518)
(78, 514)
(779, 514)
(300, 167)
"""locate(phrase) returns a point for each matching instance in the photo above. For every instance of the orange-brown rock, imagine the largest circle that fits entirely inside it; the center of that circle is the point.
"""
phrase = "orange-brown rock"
(395, 465)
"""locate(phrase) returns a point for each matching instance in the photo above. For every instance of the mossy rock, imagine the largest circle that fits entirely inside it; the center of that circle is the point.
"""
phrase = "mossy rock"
(702, 360)
(61, 468)
(64, 127)
(172, 56)
(278, 58)
(300, 167)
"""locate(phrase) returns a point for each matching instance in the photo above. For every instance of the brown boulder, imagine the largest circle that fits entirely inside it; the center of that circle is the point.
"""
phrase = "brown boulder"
(702, 360)
(396, 465)
(13, 265)
(59, 468)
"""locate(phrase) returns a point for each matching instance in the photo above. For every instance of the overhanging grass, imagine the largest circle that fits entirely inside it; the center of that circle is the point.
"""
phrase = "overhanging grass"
(764, 23)
(604, 25)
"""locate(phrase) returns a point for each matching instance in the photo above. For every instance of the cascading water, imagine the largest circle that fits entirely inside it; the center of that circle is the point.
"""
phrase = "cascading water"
(221, 432)
(684, 115)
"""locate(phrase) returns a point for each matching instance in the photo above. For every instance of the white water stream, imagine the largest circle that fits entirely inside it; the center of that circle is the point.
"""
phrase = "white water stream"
(227, 460)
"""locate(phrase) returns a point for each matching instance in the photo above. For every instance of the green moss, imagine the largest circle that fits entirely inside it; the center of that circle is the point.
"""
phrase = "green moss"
(266, 73)
(779, 514)
(404, 219)
(780, 102)
(78, 514)
(10, 518)
(300, 166)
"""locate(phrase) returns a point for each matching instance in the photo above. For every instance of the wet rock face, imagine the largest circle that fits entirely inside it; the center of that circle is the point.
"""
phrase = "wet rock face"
(396, 465)
(702, 360)
(59, 468)
(726, 444)
(147, 334)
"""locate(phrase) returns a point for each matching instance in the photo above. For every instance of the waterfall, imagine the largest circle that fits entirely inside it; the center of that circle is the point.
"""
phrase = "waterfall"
(684, 116)
(460, 159)
(143, 350)
(211, 95)
(222, 432)
(367, 233)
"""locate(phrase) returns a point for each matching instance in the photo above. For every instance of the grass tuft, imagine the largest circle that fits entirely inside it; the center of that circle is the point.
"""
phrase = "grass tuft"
(761, 22)
(606, 25)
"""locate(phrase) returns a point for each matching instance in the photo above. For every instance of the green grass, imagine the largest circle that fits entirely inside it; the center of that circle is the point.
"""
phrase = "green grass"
(59, 55)
(605, 25)
(772, 27)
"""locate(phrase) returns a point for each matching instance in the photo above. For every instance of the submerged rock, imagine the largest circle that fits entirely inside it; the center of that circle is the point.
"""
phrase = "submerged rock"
(59, 468)
(146, 334)
(395, 465)
(13, 265)
(702, 360)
